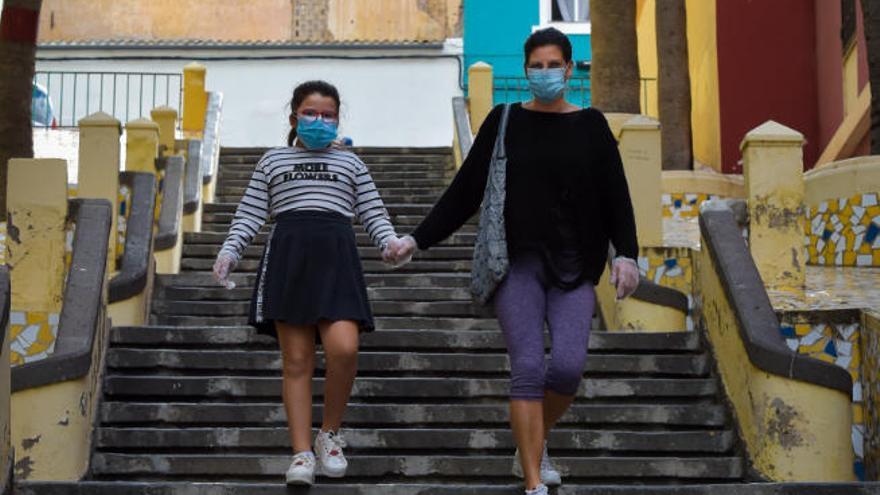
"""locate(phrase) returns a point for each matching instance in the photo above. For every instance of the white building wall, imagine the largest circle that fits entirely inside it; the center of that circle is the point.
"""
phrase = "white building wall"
(390, 101)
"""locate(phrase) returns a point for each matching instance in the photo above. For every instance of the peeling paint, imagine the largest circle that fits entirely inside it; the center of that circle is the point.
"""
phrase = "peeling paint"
(781, 424)
(28, 443)
(24, 468)
(12, 230)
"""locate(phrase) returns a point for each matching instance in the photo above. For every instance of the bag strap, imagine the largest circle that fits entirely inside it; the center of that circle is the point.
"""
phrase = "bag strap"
(500, 150)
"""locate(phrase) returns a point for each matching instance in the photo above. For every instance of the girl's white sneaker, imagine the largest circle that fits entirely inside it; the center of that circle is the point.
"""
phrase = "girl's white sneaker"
(331, 458)
(539, 490)
(302, 469)
(549, 474)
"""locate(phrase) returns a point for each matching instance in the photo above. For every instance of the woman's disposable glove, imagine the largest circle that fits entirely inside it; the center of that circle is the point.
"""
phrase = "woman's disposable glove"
(624, 276)
(223, 266)
(393, 250)
(405, 250)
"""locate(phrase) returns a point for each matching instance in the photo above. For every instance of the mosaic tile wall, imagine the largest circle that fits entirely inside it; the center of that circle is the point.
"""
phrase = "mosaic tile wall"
(33, 333)
(871, 390)
(670, 267)
(844, 232)
(835, 341)
(683, 205)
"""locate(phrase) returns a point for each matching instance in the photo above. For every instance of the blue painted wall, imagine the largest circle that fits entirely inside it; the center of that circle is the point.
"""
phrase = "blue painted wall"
(494, 32)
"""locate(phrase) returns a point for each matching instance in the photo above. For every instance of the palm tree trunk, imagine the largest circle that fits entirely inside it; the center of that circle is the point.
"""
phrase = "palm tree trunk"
(18, 41)
(871, 13)
(674, 85)
(614, 76)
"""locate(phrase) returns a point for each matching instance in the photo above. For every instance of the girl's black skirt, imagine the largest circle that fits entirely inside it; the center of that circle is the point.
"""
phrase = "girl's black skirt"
(310, 272)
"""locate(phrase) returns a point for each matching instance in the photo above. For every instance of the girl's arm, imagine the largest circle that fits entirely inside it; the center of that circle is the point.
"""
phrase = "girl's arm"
(370, 210)
(250, 216)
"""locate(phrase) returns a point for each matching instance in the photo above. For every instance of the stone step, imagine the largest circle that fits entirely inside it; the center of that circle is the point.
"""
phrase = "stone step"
(401, 197)
(374, 293)
(487, 340)
(368, 159)
(382, 323)
(449, 363)
(232, 466)
(468, 228)
(393, 208)
(217, 238)
(393, 279)
(366, 252)
(224, 219)
(400, 173)
(376, 169)
(380, 308)
(401, 439)
(228, 387)
(188, 414)
(369, 266)
(434, 488)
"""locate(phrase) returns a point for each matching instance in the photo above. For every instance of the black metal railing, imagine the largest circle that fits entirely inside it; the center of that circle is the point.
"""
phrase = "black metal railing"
(515, 89)
(70, 96)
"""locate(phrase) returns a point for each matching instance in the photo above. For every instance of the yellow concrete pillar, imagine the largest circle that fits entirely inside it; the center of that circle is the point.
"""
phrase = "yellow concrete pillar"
(142, 146)
(166, 119)
(640, 151)
(773, 173)
(99, 168)
(480, 93)
(36, 231)
(195, 98)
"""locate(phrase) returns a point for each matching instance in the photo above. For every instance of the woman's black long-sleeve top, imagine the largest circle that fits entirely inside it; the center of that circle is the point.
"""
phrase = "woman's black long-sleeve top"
(566, 189)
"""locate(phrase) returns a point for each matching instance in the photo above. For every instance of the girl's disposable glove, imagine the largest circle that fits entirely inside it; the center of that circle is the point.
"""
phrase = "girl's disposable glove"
(223, 266)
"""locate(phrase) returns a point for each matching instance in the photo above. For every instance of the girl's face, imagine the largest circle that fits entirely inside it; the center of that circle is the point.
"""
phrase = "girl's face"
(548, 57)
(316, 106)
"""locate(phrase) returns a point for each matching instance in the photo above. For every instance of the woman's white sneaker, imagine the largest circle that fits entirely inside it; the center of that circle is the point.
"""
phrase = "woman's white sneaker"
(549, 474)
(302, 469)
(331, 458)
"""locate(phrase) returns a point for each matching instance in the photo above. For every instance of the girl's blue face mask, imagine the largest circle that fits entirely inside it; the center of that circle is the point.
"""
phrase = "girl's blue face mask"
(315, 133)
(546, 84)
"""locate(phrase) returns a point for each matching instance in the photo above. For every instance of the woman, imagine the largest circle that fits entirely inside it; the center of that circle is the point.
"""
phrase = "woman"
(310, 284)
(566, 197)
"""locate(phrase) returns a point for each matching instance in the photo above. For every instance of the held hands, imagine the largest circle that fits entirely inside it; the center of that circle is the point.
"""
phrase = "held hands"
(222, 268)
(399, 251)
(624, 276)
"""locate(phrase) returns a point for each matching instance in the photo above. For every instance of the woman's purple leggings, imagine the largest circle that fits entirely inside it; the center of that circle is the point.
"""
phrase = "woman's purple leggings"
(523, 302)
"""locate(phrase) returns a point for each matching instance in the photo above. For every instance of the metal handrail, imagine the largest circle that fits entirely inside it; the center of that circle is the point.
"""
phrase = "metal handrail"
(77, 94)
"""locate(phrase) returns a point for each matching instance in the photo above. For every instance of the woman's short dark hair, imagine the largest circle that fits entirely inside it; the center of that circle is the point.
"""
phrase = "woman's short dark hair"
(548, 36)
(303, 91)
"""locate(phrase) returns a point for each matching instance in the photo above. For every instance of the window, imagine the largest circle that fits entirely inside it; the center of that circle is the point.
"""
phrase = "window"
(569, 16)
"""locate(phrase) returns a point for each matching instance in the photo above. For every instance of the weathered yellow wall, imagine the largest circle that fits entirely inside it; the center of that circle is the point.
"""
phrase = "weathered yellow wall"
(640, 151)
(705, 102)
(236, 20)
(870, 344)
(646, 30)
(703, 182)
(480, 98)
(842, 179)
(5, 434)
(165, 19)
(793, 431)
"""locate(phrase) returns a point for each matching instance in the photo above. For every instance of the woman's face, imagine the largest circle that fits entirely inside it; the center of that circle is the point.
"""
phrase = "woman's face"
(548, 57)
(317, 105)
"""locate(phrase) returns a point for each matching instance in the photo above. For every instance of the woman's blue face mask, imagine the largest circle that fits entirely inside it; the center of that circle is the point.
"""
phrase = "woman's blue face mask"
(547, 84)
(315, 133)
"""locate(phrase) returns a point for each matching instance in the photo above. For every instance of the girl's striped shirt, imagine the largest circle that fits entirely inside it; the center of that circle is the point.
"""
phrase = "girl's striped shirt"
(288, 179)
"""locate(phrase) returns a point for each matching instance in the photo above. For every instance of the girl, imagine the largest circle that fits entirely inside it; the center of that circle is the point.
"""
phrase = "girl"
(566, 197)
(310, 284)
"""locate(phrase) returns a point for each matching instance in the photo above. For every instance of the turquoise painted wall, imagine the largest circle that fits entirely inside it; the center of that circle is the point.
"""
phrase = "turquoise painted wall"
(494, 32)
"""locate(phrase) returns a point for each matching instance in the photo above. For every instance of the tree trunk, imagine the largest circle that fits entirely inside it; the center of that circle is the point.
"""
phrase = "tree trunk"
(674, 85)
(18, 41)
(614, 76)
(871, 13)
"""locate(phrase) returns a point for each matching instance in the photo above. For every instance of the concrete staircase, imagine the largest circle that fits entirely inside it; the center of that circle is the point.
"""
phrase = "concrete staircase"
(195, 397)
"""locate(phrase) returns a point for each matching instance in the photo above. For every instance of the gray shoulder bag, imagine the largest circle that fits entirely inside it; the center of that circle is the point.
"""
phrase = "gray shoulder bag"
(490, 250)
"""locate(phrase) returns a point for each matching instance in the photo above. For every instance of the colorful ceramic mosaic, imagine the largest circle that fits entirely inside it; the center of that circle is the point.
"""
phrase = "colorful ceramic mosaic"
(837, 343)
(669, 267)
(683, 205)
(122, 219)
(871, 390)
(844, 232)
(32, 335)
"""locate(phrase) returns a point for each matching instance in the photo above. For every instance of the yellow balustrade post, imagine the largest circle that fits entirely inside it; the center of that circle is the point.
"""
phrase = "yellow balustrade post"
(640, 150)
(195, 99)
(99, 168)
(36, 231)
(773, 173)
(166, 118)
(480, 93)
(142, 146)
